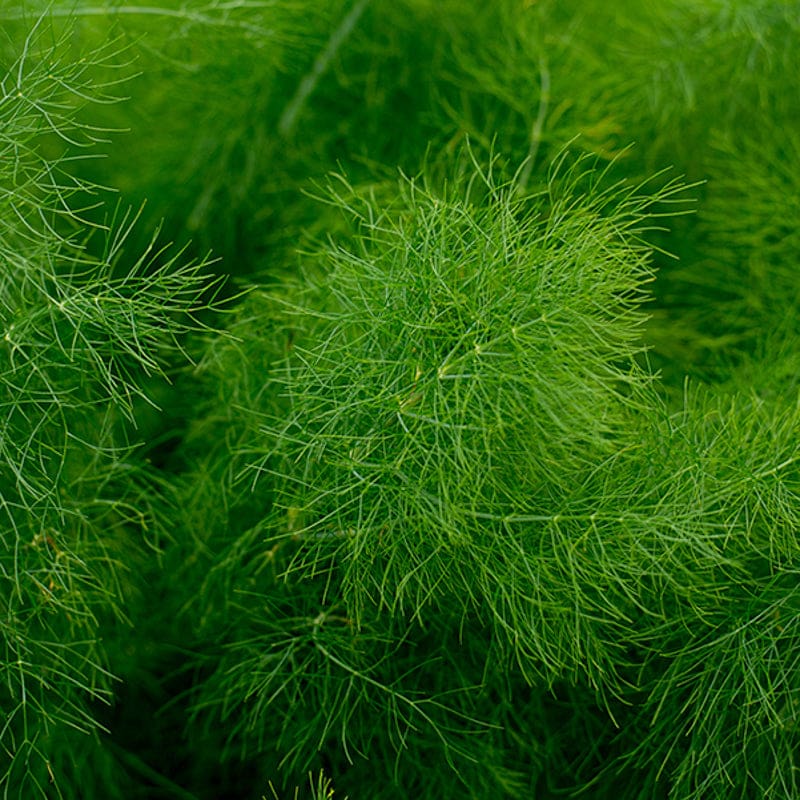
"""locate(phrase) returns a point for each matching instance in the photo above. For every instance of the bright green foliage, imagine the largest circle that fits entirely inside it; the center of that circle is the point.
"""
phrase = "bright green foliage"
(80, 343)
(443, 397)
(486, 486)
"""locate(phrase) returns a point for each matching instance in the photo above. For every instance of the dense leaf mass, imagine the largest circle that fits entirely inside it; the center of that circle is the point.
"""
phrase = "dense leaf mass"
(399, 399)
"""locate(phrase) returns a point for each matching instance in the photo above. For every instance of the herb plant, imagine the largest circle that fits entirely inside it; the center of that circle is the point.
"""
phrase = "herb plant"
(399, 399)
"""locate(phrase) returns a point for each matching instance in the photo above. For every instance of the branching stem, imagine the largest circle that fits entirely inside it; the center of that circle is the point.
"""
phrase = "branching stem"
(288, 120)
(538, 126)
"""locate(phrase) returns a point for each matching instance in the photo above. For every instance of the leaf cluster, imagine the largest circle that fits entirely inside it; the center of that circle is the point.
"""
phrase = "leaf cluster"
(481, 490)
(80, 343)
